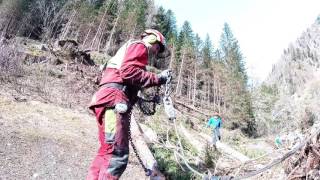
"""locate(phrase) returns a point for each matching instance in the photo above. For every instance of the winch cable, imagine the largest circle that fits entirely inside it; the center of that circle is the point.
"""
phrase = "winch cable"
(170, 111)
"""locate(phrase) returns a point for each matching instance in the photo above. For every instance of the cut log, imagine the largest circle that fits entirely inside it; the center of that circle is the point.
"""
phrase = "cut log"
(197, 144)
(190, 107)
(228, 150)
(143, 150)
(149, 135)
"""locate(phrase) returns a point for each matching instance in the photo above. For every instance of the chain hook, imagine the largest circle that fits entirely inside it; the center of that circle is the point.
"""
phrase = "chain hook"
(167, 101)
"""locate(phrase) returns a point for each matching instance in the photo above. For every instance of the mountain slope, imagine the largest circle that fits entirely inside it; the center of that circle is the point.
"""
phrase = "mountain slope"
(289, 98)
(44, 141)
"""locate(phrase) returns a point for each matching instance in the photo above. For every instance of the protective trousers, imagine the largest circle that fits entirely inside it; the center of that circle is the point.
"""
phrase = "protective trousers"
(112, 157)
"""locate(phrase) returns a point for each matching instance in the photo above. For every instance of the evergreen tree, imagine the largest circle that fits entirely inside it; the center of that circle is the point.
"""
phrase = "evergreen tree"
(165, 22)
(160, 22)
(237, 94)
(207, 52)
(171, 34)
(231, 53)
(185, 39)
(318, 19)
(141, 7)
(134, 16)
(186, 35)
(198, 46)
(96, 3)
(217, 55)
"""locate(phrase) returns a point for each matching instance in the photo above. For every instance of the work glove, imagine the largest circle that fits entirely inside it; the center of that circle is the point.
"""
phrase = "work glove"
(164, 76)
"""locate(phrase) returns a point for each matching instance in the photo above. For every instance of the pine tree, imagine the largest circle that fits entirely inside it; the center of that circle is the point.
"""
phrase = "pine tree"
(198, 44)
(185, 39)
(171, 34)
(186, 35)
(96, 3)
(165, 22)
(236, 92)
(160, 22)
(207, 52)
(231, 53)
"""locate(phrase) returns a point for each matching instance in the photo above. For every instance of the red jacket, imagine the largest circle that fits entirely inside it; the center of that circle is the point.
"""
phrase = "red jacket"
(131, 73)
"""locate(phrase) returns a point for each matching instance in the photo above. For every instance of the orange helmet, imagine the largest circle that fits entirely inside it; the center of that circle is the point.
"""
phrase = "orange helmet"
(159, 38)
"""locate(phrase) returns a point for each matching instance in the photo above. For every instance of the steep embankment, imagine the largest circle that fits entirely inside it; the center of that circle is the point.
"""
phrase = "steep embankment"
(45, 141)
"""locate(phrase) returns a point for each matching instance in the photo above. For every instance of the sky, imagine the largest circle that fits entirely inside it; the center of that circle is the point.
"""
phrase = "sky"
(264, 28)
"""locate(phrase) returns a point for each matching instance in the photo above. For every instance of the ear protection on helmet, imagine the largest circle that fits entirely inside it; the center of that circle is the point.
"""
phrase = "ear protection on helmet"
(151, 38)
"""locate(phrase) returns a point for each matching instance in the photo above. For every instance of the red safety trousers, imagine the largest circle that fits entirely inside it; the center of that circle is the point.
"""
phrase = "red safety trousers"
(112, 157)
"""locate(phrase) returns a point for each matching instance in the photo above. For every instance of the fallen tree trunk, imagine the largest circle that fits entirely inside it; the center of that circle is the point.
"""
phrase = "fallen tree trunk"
(191, 108)
(221, 146)
(228, 150)
(192, 140)
(143, 150)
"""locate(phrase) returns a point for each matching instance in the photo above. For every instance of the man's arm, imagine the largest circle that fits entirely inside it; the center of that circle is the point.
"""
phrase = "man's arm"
(133, 67)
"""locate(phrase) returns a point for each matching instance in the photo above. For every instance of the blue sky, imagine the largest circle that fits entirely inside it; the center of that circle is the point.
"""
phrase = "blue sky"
(264, 28)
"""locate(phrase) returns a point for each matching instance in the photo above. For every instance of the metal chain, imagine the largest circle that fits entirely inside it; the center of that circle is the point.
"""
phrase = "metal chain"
(147, 171)
(167, 94)
(167, 101)
(168, 87)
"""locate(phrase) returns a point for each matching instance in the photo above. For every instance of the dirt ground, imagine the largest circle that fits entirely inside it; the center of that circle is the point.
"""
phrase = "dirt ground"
(43, 141)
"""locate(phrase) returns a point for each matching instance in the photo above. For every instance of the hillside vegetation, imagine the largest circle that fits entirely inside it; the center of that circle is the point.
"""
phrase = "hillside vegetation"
(288, 99)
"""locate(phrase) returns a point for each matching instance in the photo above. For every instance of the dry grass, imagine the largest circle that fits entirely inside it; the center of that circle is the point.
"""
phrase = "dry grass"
(39, 117)
(44, 141)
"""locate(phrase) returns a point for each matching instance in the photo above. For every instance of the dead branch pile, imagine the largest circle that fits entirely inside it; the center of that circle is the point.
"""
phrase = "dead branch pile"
(306, 163)
(68, 50)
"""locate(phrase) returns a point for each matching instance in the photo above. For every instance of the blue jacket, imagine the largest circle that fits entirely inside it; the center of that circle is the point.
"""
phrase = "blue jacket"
(215, 122)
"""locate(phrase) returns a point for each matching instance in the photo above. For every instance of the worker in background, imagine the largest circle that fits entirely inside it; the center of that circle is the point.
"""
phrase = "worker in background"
(215, 123)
